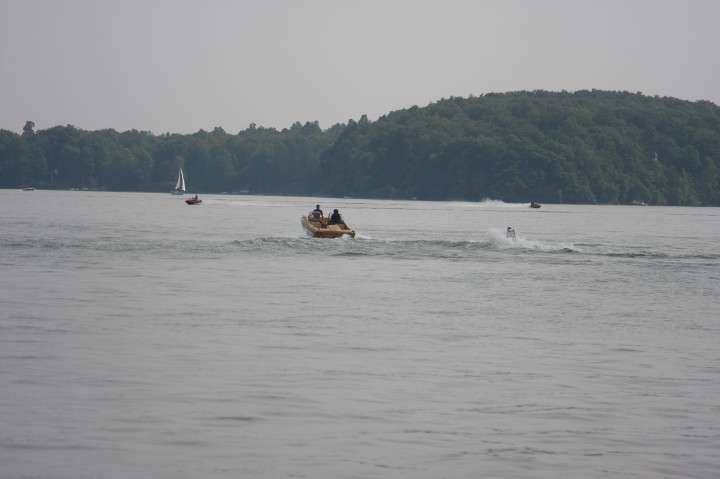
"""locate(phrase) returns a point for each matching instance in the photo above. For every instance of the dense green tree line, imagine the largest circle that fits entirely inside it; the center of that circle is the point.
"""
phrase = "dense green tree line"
(581, 147)
(258, 160)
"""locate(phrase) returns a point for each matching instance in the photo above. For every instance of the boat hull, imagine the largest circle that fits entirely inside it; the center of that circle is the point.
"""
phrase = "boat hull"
(193, 202)
(321, 229)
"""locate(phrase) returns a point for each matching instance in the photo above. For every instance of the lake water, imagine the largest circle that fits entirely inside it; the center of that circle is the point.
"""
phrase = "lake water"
(144, 338)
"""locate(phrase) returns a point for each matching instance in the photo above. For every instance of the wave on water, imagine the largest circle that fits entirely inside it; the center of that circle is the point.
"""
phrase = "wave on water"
(249, 202)
(275, 243)
(214, 201)
(502, 204)
(495, 241)
(99, 249)
(499, 240)
(489, 203)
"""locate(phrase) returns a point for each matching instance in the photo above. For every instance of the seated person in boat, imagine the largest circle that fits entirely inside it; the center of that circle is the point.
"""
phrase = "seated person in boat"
(316, 213)
(510, 233)
(335, 218)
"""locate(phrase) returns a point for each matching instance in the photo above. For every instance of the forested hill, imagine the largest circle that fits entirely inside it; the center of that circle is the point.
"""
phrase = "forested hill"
(582, 147)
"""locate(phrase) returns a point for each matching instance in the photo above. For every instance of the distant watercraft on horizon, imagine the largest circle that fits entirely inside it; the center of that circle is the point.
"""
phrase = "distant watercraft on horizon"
(180, 186)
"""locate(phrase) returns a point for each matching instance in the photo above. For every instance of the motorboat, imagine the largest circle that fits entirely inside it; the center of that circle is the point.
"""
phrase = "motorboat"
(318, 226)
(193, 201)
(535, 205)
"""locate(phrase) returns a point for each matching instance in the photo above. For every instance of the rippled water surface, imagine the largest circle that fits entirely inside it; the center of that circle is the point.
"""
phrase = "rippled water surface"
(141, 337)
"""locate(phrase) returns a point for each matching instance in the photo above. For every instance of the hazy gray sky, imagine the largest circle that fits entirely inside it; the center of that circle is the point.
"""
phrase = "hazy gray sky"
(183, 65)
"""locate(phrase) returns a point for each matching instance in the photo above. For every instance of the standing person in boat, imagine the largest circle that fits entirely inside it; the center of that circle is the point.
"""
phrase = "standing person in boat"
(317, 212)
(510, 233)
(335, 218)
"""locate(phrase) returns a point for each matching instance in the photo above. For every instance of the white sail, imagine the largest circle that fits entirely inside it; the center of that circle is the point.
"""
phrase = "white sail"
(181, 181)
(180, 186)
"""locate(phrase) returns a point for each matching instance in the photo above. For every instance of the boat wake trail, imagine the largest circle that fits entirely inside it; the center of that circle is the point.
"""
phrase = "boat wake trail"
(495, 243)
(488, 203)
(499, 240)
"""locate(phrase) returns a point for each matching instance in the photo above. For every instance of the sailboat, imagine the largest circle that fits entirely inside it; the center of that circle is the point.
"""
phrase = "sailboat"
(180, 186)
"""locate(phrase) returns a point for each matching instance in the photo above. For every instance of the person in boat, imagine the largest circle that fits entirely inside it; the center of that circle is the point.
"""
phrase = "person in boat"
(317, 212)
(195, 198)
(510, 233)
(335, 218)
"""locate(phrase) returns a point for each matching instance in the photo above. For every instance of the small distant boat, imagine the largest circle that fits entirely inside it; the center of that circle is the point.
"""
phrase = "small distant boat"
(535, 205)
(319, 227)
(193, 201)
(180, 186)
(639, 203)
(29, 188)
